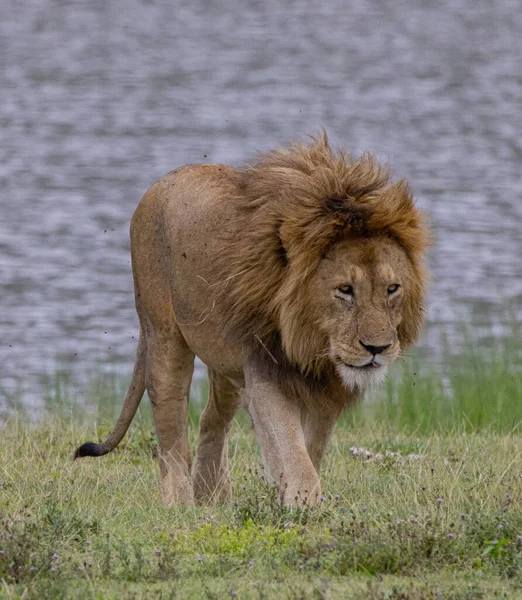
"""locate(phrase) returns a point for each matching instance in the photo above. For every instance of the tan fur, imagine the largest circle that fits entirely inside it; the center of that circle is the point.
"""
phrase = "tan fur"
(251, 271)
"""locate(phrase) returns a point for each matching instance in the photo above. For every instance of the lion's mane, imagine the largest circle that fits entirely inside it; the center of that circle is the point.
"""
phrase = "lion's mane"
(294, 203)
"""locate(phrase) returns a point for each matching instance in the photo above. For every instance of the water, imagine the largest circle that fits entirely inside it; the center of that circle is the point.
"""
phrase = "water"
(99, 99)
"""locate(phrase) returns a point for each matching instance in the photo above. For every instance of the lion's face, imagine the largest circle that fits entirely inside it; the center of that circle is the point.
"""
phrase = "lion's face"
(358, 290)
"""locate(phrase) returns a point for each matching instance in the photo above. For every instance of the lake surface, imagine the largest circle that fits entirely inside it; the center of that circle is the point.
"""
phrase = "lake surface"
(99, 99)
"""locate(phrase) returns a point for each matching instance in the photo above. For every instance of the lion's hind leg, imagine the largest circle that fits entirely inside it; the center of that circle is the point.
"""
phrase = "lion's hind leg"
(170, 364)
(211, 474)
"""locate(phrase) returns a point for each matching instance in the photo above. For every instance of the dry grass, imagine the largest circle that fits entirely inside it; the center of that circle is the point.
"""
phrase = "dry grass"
(445, 521)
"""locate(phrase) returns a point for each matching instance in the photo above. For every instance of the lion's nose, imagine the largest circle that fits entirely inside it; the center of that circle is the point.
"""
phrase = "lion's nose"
(374, 349)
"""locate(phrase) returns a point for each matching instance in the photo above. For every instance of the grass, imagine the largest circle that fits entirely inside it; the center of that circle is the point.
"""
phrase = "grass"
(434, 512)
(445, 521)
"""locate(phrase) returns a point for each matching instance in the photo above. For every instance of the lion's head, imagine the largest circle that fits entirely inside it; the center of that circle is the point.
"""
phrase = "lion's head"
(356, 299)
(327, 264)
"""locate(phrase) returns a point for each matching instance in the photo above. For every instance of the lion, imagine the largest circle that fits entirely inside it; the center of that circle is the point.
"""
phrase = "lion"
(297, 279)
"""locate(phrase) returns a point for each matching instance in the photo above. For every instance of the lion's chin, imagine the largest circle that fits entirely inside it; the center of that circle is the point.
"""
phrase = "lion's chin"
(359, 379)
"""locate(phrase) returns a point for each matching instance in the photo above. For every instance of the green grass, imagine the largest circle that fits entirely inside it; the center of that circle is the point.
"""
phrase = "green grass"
(440, 519)
(475, 390)
(446, 521)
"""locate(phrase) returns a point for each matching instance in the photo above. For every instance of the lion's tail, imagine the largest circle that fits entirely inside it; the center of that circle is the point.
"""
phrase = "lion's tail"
(130, 406)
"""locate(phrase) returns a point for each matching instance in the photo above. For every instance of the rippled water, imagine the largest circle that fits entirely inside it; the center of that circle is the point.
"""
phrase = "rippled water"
(98, 99)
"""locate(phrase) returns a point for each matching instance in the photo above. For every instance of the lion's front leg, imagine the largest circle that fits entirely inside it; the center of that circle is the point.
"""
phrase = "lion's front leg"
(318, 425)
(277, 421)
(211, 474)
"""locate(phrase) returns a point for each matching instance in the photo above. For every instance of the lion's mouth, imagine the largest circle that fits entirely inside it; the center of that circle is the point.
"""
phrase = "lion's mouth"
(358, 377)
(373, 364)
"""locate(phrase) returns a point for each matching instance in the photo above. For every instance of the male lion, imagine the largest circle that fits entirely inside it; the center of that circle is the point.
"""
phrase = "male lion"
(298, 279)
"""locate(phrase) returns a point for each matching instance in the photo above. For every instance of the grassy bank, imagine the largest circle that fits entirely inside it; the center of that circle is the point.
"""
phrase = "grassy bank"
(443, 517)
(422, 499)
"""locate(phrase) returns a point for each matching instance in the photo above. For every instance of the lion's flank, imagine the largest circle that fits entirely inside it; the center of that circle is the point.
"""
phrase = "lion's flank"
(294, 203)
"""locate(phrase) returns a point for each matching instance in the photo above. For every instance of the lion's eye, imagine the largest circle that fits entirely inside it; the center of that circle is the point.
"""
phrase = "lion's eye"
(345, 290)
(393, 288)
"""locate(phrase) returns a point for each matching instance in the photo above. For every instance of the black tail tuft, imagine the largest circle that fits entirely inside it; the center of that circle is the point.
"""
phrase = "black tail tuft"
(90, 449)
